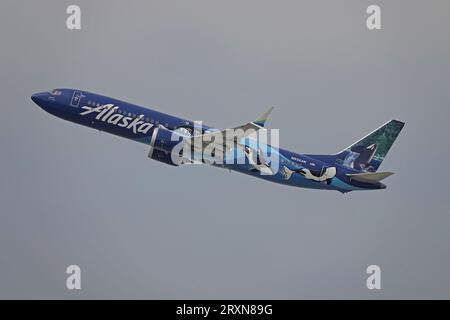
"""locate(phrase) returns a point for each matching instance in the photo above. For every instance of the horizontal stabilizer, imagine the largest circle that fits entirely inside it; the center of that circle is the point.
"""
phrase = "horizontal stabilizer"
(369, 177)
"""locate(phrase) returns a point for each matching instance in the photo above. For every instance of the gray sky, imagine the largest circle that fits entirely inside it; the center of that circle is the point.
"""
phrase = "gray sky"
(141, 229)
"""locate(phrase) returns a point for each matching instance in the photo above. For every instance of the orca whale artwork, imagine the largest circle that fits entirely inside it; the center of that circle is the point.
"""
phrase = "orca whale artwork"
(368, 153)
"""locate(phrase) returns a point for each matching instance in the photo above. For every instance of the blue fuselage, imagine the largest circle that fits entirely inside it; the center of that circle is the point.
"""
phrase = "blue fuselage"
(138, 123)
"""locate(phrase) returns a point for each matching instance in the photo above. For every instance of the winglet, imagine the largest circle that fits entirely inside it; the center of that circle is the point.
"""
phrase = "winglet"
(263, 118)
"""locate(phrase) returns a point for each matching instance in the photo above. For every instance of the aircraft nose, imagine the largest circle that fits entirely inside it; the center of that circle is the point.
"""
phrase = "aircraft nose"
(39, 97)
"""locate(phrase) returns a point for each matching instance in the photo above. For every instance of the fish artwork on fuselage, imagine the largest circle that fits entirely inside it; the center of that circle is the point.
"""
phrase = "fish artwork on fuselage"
(176, 141)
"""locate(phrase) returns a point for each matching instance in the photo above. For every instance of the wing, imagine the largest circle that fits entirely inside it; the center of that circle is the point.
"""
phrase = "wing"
(224, 141)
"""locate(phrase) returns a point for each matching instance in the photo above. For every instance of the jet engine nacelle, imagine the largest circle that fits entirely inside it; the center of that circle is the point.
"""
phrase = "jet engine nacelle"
(166, 146)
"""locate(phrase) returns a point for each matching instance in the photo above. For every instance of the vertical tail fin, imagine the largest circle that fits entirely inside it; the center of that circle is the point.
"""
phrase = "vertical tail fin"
(368, 153)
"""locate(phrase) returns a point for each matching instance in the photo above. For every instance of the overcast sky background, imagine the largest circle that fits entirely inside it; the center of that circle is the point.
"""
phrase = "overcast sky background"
(142, 229)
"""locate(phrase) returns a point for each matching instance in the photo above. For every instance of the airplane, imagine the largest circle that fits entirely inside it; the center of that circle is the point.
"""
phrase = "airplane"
(353, 168)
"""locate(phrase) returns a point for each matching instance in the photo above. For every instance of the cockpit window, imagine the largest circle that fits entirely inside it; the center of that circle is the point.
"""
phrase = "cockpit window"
(55, 92)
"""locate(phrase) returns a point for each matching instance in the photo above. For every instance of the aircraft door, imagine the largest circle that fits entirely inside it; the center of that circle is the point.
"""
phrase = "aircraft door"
(76, 98)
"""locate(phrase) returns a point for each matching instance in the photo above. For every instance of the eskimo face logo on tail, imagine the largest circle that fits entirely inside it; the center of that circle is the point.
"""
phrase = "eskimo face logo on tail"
(107, 113)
